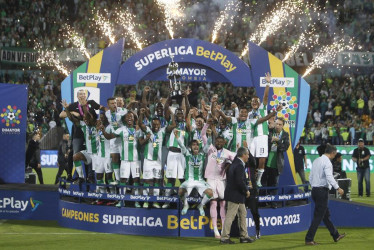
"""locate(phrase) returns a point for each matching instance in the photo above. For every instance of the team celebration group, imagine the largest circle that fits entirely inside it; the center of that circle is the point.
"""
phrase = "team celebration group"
(162, 143)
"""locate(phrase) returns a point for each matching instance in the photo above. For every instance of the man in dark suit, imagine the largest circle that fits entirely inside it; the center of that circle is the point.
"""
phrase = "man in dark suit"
(235, 194)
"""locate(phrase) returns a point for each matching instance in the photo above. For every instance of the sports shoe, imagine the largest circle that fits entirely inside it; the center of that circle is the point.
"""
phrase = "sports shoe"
(113, 183)
(201, 209)
(258, 184)
(79, 181)
(137, 204)
(258, 234)
(120, 204)
(341, 236)
(156, 205)
(145, 205)
(111, 203)
(100, 202)
(166, 205)
(228, 241)
(311, 243)
(246, 240)
(185, 209)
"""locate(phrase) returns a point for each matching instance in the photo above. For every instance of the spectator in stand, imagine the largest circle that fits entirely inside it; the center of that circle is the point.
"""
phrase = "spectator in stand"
(329, 114)
(317, 116)
(317, 133)
(370, 134)
(337, 111)
(360, 106)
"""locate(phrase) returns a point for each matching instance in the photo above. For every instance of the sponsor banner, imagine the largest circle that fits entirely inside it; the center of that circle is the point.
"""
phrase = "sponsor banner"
(13, 116)
(348, 164)
(28, 205)
(272, 221)
(48, 158)
(134, 221)
(192, 51)
(158, 222)
(94, 77)
(362, 59)
(287, 82)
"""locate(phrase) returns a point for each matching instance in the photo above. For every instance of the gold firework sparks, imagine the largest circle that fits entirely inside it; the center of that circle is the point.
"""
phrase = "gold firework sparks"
(76, 40)
(173, 12)
(126, 19)
(282, 16)
(328, 54)
(225, 14)
(49, 58)
(104, 25)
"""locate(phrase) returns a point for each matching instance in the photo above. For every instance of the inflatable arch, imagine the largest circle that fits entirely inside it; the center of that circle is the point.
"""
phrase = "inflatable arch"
(198, 61)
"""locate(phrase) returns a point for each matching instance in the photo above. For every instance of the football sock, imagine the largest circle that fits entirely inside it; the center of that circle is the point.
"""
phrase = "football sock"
(259, 175)
(156, 191)
(213, 212)
(78, 168)
(222, 211)
(115, 167)
(145, 189)
(100, 189)
(205, 199)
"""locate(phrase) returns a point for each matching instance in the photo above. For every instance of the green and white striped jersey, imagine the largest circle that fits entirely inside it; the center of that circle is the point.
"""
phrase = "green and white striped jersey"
(194, 164)
(153, 148)
(182, 133)
(262, 128)
(90, 137)
(129, 143)
(104, 146)
(115, 118)
(241, 131)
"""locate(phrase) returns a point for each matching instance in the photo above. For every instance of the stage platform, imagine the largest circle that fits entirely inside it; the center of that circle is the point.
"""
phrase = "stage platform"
(72, 208)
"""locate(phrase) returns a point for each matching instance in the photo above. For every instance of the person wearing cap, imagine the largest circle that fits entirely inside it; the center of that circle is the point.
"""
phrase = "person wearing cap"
(321, 180)
(361, 156)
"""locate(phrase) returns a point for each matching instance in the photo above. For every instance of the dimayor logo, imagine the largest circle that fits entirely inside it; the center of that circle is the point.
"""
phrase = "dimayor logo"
(288, 103)
(34, 204)
(11, 116)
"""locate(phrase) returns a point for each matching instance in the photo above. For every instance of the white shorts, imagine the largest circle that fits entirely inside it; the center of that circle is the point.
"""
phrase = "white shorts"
(115, 146)
(89, 157)
(218, 187)
(175, 165)
(130, 167)
(103, 165)
(151, 170)
(200, 186)
(259, 146)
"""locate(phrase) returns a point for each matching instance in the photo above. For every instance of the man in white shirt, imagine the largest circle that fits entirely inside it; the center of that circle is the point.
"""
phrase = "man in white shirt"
(321, 180)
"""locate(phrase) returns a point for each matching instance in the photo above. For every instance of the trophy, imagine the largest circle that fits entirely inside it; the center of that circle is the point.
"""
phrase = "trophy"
(173, 76)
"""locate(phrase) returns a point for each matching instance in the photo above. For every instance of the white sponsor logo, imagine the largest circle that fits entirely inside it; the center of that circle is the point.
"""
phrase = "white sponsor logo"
(188, 72)
(94, 77)
(7, 202)
(160, 54)
(132, 220)
(287, 82)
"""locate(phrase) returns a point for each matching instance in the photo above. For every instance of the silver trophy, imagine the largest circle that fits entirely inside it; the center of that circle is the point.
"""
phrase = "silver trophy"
(173, 76)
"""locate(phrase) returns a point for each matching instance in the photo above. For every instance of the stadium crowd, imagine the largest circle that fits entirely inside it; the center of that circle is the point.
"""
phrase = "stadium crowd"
(25, 22)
